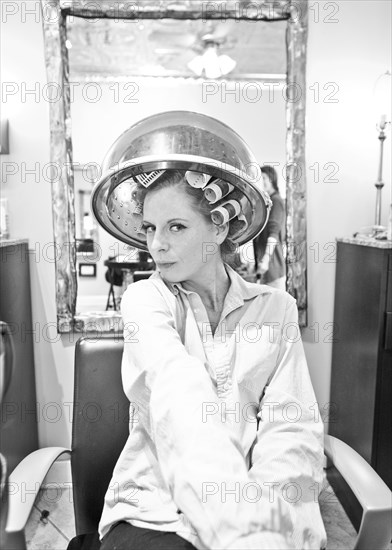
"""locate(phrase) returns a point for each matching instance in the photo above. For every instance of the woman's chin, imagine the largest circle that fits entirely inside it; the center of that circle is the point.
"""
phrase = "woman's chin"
(170, 273)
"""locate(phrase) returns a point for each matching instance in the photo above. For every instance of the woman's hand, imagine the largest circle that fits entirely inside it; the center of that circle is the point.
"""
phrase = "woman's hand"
(263, 266)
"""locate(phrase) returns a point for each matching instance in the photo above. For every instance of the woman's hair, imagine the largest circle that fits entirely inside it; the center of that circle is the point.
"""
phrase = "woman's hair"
(173, 178)
(272, 175)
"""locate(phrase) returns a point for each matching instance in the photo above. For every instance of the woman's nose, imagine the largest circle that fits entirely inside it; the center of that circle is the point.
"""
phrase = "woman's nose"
(158, 242)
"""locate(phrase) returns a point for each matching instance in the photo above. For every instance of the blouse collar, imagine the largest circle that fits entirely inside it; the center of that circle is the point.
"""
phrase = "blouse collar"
(239, 289)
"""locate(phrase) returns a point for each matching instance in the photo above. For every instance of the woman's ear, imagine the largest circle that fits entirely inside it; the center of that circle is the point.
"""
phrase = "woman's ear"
(221, 232)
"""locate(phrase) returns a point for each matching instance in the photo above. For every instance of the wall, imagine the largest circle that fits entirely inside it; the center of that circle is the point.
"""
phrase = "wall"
(351, 53)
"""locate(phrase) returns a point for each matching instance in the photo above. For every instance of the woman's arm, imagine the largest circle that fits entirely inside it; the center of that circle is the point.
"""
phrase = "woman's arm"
(263, 266)
(277, 217)
(273, 228)
(201, 460)
(287, 459)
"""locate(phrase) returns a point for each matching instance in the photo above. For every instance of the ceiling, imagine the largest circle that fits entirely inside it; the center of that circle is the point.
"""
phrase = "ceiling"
(107, 48)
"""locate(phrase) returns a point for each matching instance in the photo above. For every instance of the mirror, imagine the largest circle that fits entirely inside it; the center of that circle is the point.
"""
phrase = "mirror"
(95, 278)
(106, 100)
(87, 239)
(66, 25)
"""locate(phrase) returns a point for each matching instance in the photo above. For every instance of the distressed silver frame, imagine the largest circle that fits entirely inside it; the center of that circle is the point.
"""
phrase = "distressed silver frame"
(55, 13)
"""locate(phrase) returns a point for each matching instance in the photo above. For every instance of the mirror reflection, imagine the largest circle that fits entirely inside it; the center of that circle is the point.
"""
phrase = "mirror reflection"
(119, 84)
(105, 265)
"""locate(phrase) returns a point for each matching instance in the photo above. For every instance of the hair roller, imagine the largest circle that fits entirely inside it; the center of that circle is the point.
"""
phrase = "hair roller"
(197, 179)
(237, 226)
(225, 212)
(216, 190)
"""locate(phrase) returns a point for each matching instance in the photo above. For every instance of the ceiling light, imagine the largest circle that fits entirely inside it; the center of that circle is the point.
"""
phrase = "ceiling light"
(212, 64)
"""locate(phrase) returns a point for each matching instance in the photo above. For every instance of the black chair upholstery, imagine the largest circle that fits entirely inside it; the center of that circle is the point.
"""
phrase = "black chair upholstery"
(100, 425)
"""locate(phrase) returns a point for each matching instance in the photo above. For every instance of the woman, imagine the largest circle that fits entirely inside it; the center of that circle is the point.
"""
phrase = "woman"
(268, 246)
(224, 450)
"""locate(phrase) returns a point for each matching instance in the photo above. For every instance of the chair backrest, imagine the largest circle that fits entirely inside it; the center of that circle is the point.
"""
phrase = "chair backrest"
(100, 425)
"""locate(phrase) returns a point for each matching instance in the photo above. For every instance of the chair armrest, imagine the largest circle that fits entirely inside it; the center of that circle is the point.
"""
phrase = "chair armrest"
(372, 493)
(24, 483)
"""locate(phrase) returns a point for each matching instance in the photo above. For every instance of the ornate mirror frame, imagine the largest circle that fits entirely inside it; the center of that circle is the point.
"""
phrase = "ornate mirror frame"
(55, 13)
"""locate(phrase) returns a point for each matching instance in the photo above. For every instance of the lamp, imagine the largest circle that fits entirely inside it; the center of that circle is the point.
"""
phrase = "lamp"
(213, 65)
(382, 103)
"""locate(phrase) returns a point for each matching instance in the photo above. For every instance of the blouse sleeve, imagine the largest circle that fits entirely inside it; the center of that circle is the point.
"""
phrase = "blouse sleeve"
(287, 458)
(201, 460)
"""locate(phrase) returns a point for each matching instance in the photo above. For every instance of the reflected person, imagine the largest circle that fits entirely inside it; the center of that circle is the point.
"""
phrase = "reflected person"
(268, 246)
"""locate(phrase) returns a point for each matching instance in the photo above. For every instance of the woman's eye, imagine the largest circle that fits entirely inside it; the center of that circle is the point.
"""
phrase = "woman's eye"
(179, 225)
(150, 228)
(146, 228)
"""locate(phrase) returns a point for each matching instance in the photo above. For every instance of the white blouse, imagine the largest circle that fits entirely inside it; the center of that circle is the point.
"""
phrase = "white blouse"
(226, 442)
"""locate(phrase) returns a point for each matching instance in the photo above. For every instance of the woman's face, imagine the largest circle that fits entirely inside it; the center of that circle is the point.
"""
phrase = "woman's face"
(180, 240)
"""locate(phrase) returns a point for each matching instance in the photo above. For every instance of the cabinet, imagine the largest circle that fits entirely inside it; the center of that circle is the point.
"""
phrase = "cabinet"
(18, 427)
(361, 377)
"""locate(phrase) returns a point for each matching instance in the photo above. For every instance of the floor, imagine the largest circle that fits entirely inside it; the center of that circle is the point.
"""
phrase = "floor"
(54, 531)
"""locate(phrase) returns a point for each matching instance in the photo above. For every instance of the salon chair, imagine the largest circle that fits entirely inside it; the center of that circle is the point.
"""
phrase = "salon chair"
(99, 431)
